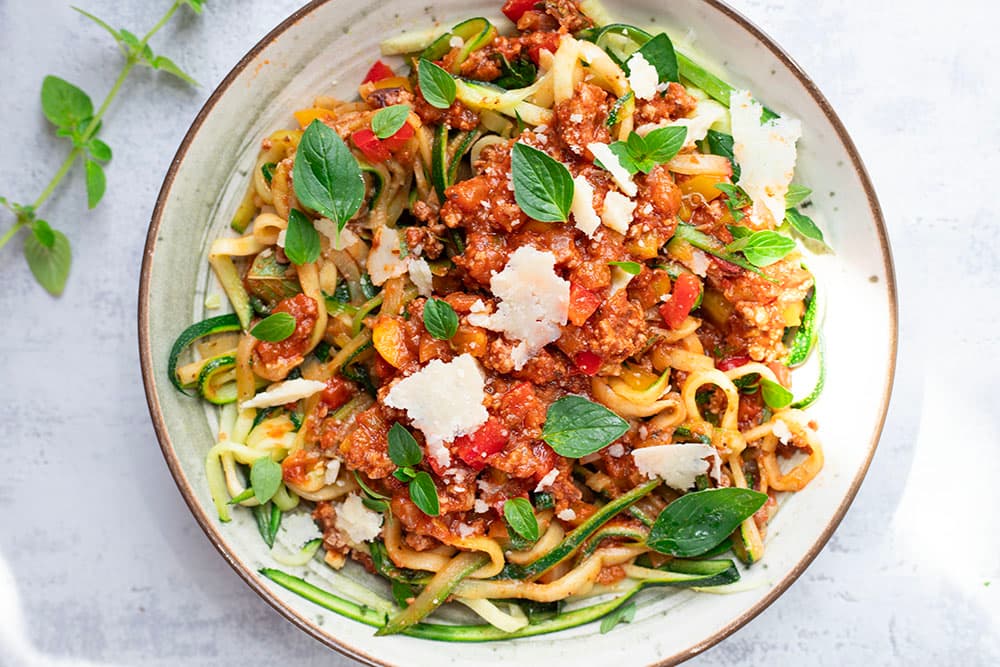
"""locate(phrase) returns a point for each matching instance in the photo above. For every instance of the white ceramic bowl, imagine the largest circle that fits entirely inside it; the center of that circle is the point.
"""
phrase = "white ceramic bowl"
(325, 48)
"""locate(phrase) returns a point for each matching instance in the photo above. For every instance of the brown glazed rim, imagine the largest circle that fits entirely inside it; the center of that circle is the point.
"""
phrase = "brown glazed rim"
(300, 620)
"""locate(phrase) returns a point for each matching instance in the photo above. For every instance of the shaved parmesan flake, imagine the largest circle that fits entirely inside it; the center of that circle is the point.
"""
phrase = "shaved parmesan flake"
(444, 400)
(280, 242)
(586, 218)
(610, 162)
(480, 507)
(617, 212)
(679, 465)
(616, 450)
(781, 431)
(546, 482)
(698, 262)
(288, 391)
(642, 77)
(465, 530)
(566, 515)
(620, 278)
(332, 471)
(297, 528)
(766, 155)
(384, 261)
(707, 114)
(534, 303)
(420, 274)
(357, 521)
(456, 42)
(328, 228)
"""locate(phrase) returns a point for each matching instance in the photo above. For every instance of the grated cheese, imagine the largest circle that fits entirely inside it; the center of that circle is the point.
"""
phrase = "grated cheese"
(281, 393)
(546, 482)
(707, 114)
(611, 164)
(332, 471)
(617, 212)
(444, 400)
(480, 507)
(642, 77)
(566, 515)
(297, 528)
(582, 208)
(328, 228)
(766, 155)
(384, 261)
(357, 521)
(679, 464)
(420, 274)
(280, 242)
(781, 431)
(616, 450)
(534, 303)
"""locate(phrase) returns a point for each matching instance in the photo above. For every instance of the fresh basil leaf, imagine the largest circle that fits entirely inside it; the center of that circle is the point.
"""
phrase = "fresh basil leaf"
(659, 53)
(623, 614)
(265, 478)
(663, 143)
(326, 175)
(766, 247)
(804, 225)
(518, 74)
(374, 504)
(796, 195)
(624, 155)
(195, 5)
(302, 244)
(367, 489)
(575, 427)
(64, 104)
(169, 66)
(424, 495)
(99, 150)
(436, 84)
(699, 521)
(521, 518)
(736, 199)
(96, 182)
(739, 232)
(636, 145)
(49, 256)
(403, 448)
(267, 170)
(440, 319)
(774, 395)
(720, 143)
(274, 328)
(388, 120)
(543, 186)
(404, 475)
(631, 268)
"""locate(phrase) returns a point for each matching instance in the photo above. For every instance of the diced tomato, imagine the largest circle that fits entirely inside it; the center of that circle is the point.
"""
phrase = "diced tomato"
(378, 72)
(588, 362)
(383, 369)
(488, 440)
(685, 293)
(548, 41)
(373, 149)
(582, 304)
(398, 140)
(515, 9)
(338, 391)
(732, 362)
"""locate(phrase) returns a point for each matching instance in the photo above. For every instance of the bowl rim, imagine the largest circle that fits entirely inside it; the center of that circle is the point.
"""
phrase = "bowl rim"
(298, 619)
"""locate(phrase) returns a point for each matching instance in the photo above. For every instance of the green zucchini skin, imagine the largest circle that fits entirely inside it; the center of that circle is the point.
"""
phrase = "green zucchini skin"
(215, 365)
(213, 325)
(806, 336)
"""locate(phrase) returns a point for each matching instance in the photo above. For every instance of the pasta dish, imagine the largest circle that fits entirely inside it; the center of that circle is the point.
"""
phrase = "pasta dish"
(513, 329)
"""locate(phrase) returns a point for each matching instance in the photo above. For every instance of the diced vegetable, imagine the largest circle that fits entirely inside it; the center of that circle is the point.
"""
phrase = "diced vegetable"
(582, 304)
(378, 71)
(515, 9)
(213, 325)
(588, 362)
(474, 449)
(685, 293)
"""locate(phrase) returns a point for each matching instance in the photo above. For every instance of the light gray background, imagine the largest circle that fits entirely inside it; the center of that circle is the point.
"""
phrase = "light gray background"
(110, 565)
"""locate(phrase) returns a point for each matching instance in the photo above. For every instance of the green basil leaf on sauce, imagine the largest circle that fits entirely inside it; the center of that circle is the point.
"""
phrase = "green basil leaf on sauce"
(796, 195)
(663, 143)
(388, 121)
(274, 328)
(267, 170)
(720, 143)
(736, 199)
(576, 427)
(543, 186)
(265, 478)
(697, 522)
(804, 225)
(518, 74)
(436, 84)
(440, 319)
(403, 448)
(424, 495)
(521, 518)
(302, 244)
(326, 175)
(766, 247)
(623, 614)
(659, 52)
(631, 268)
(774, 395)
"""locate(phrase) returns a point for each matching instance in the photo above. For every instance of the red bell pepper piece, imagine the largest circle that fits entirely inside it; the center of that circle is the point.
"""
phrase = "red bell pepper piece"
(338, 391)
(685, 293)
(732, 362)
(378, 72)
(476, 448)
(582, 304)
(515, 9)
(398, 140)
(588, 362)
(370, 146)
(548, 41)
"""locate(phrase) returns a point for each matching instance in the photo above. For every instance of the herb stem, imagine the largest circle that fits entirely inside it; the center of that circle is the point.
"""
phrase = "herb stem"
(63, 170)
(11, 232)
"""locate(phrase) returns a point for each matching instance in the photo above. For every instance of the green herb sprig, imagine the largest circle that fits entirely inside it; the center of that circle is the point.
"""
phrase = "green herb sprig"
(575, 427)
(405, 452)
(46, 249)
(638, 153)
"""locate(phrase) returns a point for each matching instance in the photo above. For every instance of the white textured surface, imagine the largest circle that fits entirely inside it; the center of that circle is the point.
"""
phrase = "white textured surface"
(110, 565)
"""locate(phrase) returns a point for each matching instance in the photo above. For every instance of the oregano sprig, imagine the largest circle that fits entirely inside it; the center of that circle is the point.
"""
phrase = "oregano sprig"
(71, 112)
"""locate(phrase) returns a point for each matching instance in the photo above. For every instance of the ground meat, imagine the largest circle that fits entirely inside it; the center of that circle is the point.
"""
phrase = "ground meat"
(482, 65)
(674, 103)
(386, 97)
(616, 331)
(567, 13)
(488, 198)
(581, 119)
(275, 360)
(421, 241)
(655, 218)
(534, 19)
(326, 516)
(366, 449)
(457, 116)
